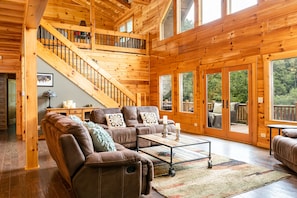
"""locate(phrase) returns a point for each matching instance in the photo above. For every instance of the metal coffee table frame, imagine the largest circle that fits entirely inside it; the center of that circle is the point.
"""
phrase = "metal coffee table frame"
(172, 151)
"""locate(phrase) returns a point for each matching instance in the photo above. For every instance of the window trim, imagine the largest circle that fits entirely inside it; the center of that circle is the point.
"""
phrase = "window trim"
(268, 84)
(172, 92)
(161, 28)
(179, 99)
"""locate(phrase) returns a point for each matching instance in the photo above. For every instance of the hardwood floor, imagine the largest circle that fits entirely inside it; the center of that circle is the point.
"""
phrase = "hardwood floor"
(46, 182)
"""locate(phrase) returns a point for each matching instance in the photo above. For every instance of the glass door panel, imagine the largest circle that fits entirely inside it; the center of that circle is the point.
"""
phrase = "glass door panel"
(238, 97)
(214, 100)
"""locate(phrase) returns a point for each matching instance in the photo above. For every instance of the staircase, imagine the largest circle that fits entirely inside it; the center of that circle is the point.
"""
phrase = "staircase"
(63, 55)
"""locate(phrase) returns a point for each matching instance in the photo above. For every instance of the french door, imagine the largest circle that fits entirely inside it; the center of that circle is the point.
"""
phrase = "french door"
(228, 91)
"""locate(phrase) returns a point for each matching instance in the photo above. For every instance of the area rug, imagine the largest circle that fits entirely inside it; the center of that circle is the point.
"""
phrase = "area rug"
(227, 178)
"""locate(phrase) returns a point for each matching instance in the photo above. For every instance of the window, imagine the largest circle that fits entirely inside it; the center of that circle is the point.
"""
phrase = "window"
(186, 15)
(237, 5)
(211, 10)
(166, 92)
(127, 26)
(167, 23)
(284, 89)
(186, 92)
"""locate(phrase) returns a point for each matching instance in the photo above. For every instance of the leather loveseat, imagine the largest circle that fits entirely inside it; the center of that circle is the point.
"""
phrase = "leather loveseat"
(114, 174)
(126, 135)
(285, 148)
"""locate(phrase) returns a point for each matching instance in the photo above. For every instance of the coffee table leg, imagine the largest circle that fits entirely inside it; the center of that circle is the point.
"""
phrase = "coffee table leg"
(209, 156)
(171, 170)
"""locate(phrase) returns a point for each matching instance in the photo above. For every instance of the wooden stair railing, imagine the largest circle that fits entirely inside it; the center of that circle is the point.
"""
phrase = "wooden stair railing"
(107, 40)
(81, 69)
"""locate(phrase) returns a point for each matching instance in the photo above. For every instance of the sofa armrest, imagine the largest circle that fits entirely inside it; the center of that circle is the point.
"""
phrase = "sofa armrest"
(73, 155)
(112, 158)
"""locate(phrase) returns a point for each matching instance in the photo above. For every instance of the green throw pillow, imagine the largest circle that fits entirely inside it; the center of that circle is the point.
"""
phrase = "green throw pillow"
(75, 119)
(101, 139)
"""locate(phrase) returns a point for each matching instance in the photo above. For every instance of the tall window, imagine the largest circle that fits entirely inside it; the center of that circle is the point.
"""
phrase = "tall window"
(127, 26)
(211, 10)
(237, 5)
(166, 92)
(186, 14)
(284, 89)
(186, 92)
(167, 23)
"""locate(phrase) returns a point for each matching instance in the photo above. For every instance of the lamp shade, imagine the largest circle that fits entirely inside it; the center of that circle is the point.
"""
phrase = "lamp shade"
(49, 94)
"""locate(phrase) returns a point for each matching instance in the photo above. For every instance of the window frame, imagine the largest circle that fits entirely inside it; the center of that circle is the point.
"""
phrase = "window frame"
(125, 24)
(268, 83)
(179, 15)
(161, 28)
(180, 95)
(160, 98)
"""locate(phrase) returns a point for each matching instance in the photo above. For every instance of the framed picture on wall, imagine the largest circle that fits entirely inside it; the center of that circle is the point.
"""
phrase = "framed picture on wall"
(45, 79)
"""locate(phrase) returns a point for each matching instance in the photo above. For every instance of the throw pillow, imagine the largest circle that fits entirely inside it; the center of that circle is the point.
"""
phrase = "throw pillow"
(101, 139)
(292, 133)
(75, 119)
(115, 120)
(217, 107)
(149, 118)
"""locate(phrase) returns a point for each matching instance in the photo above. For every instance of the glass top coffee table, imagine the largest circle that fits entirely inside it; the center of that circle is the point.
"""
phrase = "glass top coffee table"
(174, 151)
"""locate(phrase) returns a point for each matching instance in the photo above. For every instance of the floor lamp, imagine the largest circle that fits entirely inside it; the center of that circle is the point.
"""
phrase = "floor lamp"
(49, 94)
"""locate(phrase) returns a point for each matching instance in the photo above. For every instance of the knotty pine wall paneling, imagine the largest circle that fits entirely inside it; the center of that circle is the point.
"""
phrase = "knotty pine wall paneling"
(269, 27)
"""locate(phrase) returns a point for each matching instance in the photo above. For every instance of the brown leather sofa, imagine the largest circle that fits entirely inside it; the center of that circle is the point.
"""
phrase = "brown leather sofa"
(127, 136)
(113, 174)
(285, 148)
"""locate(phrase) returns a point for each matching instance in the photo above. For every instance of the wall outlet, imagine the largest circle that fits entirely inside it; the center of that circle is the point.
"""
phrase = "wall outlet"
(263, 135)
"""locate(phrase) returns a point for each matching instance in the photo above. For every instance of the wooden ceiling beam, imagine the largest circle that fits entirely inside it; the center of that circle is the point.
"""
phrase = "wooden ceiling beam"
(35, 12)
(125, 3)
(144, 2)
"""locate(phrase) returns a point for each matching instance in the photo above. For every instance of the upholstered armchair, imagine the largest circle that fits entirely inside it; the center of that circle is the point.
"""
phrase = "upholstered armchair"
(215, 115)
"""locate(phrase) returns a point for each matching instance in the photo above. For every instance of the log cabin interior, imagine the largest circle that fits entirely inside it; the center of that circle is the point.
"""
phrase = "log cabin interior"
(145, 52)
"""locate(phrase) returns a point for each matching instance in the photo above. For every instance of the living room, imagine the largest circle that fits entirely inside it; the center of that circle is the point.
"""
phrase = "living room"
(247, 40)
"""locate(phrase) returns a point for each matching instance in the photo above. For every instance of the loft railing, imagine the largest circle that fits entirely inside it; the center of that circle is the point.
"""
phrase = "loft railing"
(104, 39)
(65, 50)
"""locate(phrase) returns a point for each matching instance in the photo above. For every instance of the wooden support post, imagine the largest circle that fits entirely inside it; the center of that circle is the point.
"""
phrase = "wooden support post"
(31, 110)
(138, 99)
(93, 23)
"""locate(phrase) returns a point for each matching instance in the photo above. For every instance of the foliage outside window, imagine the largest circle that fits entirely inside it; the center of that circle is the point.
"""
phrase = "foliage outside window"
(284, 89)
(238, 5)
(167, 23)
(166, 92)
(211, 10)
(186, 13)
(186, 92)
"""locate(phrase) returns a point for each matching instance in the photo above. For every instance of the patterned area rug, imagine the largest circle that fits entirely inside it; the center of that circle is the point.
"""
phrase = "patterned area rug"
(226, 178)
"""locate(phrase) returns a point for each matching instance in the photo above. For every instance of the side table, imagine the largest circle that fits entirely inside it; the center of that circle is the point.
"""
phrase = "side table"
(279, 127)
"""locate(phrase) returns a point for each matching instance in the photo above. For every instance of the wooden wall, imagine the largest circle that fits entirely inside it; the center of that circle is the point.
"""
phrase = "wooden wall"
(129, 69)
(241, 38)
(68, 12)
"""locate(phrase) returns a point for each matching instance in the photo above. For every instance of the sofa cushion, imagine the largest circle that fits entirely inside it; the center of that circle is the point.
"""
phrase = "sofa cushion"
(115, 120)
(149, 118)
(101, 139)
(130, 116)
(290, 133)
(98, 115)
